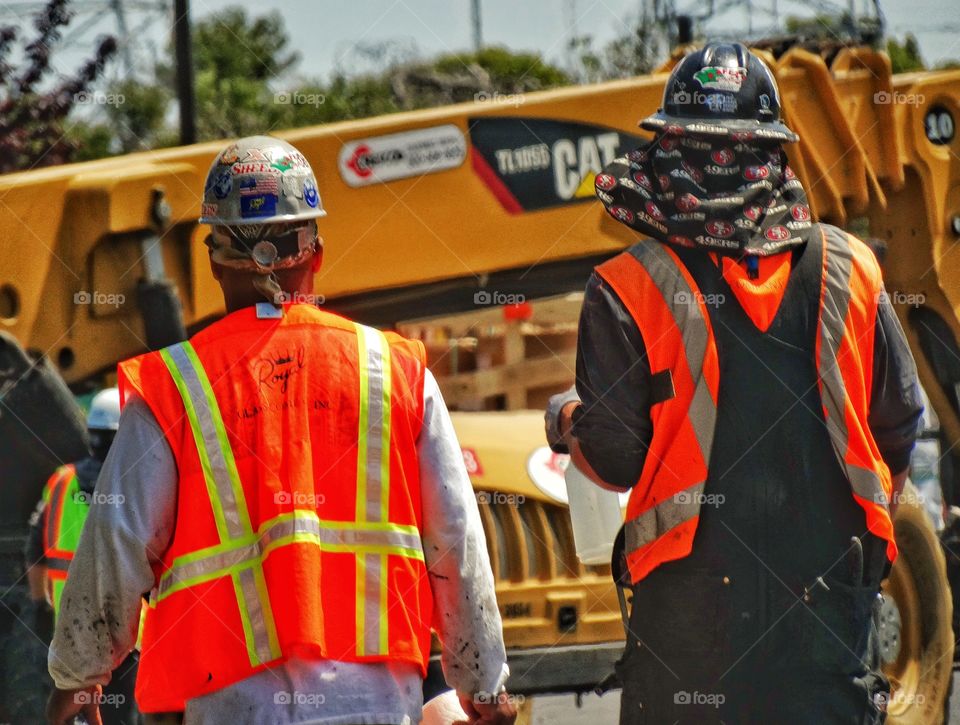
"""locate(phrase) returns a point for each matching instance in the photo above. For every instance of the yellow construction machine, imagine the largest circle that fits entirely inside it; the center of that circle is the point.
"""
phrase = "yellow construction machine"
(447, 210)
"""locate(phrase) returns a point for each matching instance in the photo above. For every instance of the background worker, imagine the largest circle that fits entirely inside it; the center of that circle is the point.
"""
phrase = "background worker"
(296, 501)
(55, 530)
(743, 374)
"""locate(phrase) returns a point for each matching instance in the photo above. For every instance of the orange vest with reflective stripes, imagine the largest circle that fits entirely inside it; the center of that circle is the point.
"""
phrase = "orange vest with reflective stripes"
(298, 511)
(670, 312)
(64, 514)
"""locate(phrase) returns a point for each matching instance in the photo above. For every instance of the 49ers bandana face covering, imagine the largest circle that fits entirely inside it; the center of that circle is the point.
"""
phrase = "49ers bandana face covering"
(736, 196)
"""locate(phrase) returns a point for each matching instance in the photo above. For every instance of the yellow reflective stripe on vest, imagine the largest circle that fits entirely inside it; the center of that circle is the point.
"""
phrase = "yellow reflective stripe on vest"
(373, 485)
(216, 456)
(702, 414)
(226, 498)
(299, 526)
(836, 305)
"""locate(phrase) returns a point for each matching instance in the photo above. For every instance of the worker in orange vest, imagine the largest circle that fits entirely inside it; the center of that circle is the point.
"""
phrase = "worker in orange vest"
(296, 502)
(742, 373)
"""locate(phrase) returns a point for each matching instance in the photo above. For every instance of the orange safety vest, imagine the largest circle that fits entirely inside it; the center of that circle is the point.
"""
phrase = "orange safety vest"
(670, 312)
(298, 509)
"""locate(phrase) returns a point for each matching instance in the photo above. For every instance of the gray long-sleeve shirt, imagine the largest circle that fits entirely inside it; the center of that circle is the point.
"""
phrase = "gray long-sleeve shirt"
(131, 524)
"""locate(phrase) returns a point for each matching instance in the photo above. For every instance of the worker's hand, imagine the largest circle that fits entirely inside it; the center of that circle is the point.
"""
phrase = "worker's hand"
(488, 709)
(64, 705)
(557, 419)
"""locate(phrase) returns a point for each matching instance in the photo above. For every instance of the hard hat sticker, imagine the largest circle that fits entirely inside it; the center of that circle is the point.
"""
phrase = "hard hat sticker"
(223, 184)
(721, 79)
(258, 206)
(720, 103)
(230, 155)
(310, 193)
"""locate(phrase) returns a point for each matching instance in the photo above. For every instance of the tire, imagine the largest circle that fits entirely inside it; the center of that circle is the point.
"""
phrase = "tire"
(917, 649)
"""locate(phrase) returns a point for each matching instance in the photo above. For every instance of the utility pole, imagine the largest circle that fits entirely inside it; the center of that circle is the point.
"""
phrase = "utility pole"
(124, 32)
(477, 26)
(570, 20)
(185, 90)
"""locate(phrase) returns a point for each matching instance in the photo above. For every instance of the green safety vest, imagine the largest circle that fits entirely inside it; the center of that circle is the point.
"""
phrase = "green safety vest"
(65, 512)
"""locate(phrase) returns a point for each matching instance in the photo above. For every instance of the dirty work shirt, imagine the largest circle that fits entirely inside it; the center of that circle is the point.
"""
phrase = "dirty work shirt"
(112, 568)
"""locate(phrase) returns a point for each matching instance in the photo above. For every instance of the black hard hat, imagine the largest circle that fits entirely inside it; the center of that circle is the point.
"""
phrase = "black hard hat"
(721, 90)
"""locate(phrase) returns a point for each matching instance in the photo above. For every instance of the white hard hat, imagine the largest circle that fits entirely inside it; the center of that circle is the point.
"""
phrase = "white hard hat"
(259, 180)
(104, 410)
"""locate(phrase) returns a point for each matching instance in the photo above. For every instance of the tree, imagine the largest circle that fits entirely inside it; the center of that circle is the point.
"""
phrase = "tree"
(32, 120)
(240, 62)
(235, 59)
(139, 122)
(631, 54)
(820, 27)
(905, 57)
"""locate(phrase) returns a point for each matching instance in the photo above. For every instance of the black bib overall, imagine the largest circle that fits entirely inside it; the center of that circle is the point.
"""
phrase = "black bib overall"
(728, 634)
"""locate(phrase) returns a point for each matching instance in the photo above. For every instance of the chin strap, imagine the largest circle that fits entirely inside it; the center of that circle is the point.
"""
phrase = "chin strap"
(262, 262)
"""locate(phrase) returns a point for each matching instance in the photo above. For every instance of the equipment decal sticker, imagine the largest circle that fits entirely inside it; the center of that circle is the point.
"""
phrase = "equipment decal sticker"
(403, 155)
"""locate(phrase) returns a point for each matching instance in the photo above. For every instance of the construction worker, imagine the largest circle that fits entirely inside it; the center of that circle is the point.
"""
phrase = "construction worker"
(296, 502)
(55, 529)
(742, 373)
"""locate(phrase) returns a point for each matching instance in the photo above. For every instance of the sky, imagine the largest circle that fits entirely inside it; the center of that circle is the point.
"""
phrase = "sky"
(327, 32)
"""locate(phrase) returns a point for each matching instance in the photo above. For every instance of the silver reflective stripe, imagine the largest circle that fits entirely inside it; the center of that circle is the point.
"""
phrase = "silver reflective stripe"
(373, 478)
(689, 318)
(866, 484)
(666, 515)
(204, 569)
(681, 300)
(833, 315)
(221, 563)
(210, 441)
(376, 354)
(372, 606)
(334, 534)
(251, 600)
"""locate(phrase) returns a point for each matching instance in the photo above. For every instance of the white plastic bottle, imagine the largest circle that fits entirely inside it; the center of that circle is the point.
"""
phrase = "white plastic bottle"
(595, 514)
